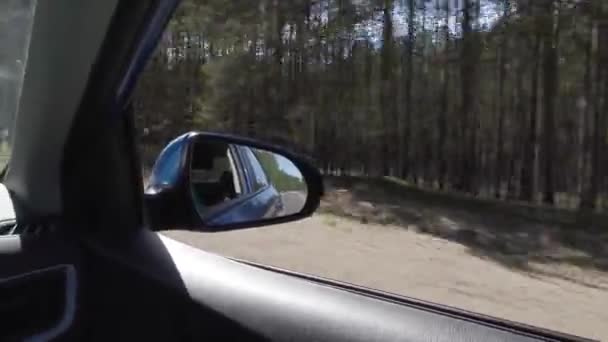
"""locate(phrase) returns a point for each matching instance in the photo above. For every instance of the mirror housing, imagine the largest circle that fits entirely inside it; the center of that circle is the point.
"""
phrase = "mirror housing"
(171, 193)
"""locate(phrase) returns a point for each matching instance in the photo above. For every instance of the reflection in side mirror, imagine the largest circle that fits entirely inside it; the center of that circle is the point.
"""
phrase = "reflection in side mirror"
(207, 181)
(233, 183)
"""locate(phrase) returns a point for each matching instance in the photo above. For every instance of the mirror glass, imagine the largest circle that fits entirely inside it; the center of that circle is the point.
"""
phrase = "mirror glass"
(232, 183)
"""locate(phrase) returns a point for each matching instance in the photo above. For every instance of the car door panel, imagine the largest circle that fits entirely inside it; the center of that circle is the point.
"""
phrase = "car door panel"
(22, 295)
(284, 308)
(222, 297)
(156, 288)
(40, 287)
(250, 207)
(138, 294)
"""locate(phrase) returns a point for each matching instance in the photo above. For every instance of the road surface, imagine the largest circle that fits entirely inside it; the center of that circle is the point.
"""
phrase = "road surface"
(293, 202)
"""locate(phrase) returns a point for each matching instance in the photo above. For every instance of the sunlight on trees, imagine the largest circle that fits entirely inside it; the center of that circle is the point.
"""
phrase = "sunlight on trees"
(496, 98)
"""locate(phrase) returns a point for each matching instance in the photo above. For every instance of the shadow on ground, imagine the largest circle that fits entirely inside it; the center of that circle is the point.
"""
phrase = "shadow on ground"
(551, 245)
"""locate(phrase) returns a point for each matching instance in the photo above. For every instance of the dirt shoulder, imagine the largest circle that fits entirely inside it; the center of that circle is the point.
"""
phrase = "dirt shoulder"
(518, 270)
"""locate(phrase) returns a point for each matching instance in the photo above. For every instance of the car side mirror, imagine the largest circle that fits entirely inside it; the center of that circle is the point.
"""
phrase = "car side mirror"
(215, 182)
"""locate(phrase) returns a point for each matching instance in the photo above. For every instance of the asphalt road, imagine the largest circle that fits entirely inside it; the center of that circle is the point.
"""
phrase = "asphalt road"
(293, 202)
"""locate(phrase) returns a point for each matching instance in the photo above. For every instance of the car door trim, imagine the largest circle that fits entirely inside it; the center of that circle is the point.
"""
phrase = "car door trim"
(71, 288)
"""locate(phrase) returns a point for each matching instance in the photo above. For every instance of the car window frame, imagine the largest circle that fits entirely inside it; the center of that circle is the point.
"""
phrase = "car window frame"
(249, 155)
(238, 164)
(243, 169)
(236, 172)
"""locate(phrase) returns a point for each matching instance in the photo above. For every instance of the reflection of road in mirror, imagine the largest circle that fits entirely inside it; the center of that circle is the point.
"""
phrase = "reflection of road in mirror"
(286, 179)
(293, 202)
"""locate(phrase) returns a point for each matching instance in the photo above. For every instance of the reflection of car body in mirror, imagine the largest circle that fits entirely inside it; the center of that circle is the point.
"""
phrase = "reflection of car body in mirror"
(229, 185)
(204, 180)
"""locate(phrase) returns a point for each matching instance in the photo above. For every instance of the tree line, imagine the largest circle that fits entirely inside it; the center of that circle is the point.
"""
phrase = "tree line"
(280, 179)
(495, 98)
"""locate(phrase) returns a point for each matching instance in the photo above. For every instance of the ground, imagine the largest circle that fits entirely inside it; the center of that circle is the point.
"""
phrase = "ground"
(413, 244)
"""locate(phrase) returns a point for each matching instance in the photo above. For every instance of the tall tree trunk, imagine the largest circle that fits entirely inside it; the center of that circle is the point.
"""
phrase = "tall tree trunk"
(599, 120)
(443, 128)
(586, 136)
(386, 86)
(469, 59)
(498, 173)
(550, 82)
(405, 131)
(520, 124)
(502, 73)
(444, 102)
(528, 172)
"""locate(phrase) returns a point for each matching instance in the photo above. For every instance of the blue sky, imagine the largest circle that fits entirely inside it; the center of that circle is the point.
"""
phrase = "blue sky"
(372, 28)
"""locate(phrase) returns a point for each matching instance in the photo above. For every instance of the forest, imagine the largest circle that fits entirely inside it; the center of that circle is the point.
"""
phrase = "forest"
(281, 179)
(502, 99)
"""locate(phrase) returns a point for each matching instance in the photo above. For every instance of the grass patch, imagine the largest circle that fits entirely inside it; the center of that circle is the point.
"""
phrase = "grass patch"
(329, 220)
(530, 211)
